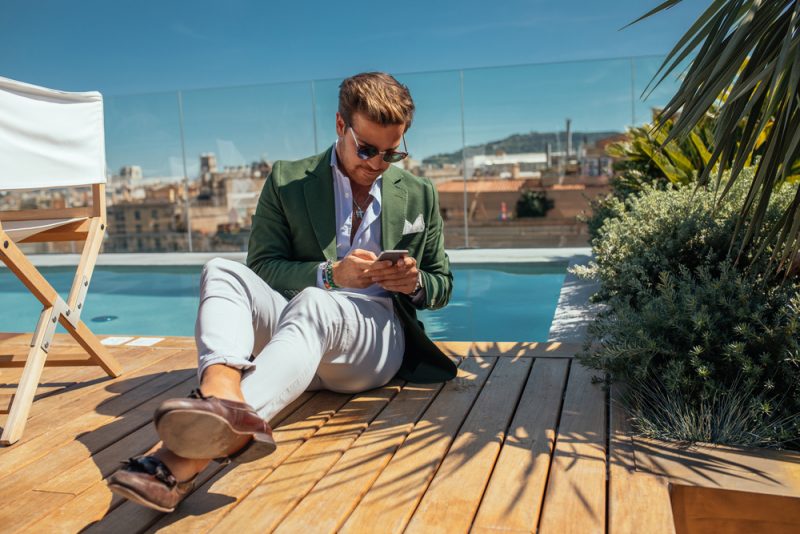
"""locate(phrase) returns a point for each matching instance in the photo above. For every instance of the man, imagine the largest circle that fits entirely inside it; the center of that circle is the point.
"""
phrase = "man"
(350, 324)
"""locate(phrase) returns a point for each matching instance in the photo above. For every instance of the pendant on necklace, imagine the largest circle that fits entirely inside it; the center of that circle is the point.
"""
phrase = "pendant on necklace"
(359, 213)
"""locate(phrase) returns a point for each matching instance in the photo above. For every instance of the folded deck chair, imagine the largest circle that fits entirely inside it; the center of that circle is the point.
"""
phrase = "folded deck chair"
(51, 139)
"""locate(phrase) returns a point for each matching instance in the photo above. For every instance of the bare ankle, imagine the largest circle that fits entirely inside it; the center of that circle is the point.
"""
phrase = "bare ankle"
(222, 392)
(222, 382)
(182, 468)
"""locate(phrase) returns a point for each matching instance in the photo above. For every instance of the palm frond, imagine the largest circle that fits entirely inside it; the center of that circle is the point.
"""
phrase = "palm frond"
(745, 58)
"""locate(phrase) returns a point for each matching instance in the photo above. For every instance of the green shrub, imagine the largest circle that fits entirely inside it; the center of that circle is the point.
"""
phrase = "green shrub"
(603, 208)
(701, 336)
(533, 204)
(684, 320)
(643, 164)
(662, 231)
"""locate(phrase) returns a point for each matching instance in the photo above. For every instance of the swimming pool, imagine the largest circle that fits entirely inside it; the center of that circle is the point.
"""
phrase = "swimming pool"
(490, 302)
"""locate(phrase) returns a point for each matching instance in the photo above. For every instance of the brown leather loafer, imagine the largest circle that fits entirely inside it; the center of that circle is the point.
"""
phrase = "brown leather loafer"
(146, 480)
(203, 427)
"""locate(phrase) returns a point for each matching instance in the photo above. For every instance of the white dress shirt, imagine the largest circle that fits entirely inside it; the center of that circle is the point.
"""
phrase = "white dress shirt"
(368, 235)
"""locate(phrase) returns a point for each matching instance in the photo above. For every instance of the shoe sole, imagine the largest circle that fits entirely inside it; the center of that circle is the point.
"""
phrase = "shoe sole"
(124, 491)
(200, 435)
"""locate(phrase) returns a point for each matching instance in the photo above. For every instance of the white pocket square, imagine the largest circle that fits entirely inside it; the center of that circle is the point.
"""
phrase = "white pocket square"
(417, 226)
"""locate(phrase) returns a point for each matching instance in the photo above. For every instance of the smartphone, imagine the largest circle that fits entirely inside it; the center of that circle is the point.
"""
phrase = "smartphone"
(392, 255)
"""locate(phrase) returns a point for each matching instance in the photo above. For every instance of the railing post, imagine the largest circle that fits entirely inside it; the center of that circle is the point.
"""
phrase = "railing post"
(187, 203)
(464, 160)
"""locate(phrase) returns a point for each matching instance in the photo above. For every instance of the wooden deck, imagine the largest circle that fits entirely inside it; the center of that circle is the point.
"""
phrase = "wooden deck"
(521, 440)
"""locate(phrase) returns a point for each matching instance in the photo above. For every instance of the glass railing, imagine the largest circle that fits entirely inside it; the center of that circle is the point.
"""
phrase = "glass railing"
(186, 167)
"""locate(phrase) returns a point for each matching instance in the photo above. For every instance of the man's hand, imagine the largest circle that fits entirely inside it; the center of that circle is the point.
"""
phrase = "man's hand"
(351, 271)
(399, 278)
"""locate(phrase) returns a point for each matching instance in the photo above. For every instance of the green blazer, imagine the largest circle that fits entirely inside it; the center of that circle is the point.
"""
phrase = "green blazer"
(294, 229)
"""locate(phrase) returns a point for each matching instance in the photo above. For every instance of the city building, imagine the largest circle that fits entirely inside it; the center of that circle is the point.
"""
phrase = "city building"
(148, 226)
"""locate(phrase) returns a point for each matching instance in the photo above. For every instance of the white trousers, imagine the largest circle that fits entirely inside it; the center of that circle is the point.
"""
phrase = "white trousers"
(340, 341)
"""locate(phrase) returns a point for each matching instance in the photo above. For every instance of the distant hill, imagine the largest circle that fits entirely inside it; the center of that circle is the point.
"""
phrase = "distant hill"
(518, 143)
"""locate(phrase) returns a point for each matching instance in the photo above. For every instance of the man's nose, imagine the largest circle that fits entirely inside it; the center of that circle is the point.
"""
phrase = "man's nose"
(377, 164)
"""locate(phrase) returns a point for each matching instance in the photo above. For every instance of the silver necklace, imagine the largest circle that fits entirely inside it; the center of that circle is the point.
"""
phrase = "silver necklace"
(359, 209)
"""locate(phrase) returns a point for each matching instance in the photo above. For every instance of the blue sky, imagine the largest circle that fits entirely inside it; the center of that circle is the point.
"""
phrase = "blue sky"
(138, 53)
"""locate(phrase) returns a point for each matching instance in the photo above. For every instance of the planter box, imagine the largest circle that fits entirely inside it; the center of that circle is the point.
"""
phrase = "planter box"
(725, 489)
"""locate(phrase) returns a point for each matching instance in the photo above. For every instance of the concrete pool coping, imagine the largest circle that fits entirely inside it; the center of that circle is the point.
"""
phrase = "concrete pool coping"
(457, 256)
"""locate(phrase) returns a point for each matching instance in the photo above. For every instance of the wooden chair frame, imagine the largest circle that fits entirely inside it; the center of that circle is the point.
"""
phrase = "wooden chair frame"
(90, 229)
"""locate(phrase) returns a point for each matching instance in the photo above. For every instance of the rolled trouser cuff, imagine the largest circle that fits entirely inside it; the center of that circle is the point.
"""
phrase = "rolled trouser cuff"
(230, 361)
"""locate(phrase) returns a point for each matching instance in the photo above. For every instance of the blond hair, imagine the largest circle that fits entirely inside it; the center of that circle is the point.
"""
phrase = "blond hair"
(377, 95)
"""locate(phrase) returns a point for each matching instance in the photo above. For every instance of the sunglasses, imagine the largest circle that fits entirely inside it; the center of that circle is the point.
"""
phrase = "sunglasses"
(366, 152)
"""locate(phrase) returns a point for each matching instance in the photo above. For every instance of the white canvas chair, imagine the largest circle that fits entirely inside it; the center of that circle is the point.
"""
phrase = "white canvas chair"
(51, 139)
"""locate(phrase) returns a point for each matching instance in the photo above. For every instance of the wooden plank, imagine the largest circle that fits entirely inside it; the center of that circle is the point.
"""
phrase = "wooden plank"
(74, 231)
(114, 513)
(60, 340)
(92, 379)
(527, 349)
(51, 375)
(94, 410)
(57, 360)
(9, 338)
(55, 493)
(44, 214)
(85, 480)
(275, 497)
(709, 511)
(393, 497)
(334, 497)
(455, 350)
(717, 466)
(575, 500)
(53, 411)
(15, 356)
(175, 342)
(64, 341)
(453, 497)
(134, 410)
(43, 391)
(512, 502)
(54, 380)
(650, 509)
(204, 508)
(10, 376)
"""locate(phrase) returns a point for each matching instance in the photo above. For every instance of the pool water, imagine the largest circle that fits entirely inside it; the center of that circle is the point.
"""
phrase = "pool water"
(509, 302)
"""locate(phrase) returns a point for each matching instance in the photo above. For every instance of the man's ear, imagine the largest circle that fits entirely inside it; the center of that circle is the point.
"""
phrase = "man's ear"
(340, 124)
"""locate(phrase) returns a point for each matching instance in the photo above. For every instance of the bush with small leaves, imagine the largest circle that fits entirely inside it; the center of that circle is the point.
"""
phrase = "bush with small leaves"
(533, 204)
(662, 231)
(702, 335)
(684, 317)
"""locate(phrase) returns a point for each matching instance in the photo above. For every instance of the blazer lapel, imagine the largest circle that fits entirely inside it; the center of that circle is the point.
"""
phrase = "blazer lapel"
(318, 190)
(393, 208)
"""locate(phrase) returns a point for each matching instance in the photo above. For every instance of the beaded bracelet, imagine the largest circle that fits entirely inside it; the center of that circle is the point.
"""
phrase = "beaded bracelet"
(327, 276)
